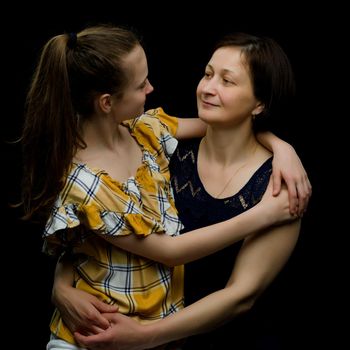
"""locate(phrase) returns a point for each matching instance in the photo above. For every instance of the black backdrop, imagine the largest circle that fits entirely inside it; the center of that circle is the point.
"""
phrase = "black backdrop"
(305, 296)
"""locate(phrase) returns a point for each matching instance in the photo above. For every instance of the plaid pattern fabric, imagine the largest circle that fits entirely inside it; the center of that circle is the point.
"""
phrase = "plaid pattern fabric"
(92, 202)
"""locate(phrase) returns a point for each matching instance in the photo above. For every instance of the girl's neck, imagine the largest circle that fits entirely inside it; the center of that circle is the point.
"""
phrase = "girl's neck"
(104, 133)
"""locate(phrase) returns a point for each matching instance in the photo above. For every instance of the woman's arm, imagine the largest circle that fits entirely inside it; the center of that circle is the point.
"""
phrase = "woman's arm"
(287, 165)
(261, 258)
(196, 244)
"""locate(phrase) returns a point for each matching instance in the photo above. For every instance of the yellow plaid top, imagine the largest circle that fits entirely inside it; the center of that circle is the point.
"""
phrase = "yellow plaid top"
(92, 202)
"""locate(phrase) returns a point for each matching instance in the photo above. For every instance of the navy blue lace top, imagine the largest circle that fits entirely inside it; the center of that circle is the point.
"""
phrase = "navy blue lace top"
(197, 208)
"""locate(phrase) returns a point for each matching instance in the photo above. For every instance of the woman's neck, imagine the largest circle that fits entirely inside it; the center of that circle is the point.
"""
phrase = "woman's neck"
(226, 147)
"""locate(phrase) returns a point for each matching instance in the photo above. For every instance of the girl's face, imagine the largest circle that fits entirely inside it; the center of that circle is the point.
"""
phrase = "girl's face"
(225, 94)
(132, 102)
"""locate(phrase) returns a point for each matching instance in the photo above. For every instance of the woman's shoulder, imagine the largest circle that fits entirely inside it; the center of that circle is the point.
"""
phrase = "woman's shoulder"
(187, 149)
(185, 157)
(255, 188)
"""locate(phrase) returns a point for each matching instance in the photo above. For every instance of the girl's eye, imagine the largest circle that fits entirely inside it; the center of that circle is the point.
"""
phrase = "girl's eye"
(143, 85)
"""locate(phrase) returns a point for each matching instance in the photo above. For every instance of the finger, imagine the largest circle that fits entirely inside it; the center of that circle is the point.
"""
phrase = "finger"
(88, 341)
(304, 193)
(309, 194)
(97, 329)
(302, 200)
(309, 187)
(111, 317)
(104, 307)
(81, 338)
(276, 183)
(293, 198)
(100, 322)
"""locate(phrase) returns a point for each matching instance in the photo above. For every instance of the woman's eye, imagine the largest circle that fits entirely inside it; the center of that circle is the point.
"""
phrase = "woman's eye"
(227, 81)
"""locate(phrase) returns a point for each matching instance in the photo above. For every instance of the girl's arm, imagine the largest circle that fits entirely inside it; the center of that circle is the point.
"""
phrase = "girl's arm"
(261, 258)
(168, 250)
(287, 165)
(172, 251)
(190, 128)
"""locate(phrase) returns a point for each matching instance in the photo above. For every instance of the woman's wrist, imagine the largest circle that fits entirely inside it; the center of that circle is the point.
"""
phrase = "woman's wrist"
(59, 289)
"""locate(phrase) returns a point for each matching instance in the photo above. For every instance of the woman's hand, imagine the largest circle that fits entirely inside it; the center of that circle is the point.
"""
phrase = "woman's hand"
(80, 310)
(124, 333)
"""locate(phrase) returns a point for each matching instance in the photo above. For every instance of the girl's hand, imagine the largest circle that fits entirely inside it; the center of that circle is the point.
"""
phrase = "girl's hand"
(275, 209)
(287, 168)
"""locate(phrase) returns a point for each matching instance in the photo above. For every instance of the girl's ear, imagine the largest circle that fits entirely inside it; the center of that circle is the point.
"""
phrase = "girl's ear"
(104, 103)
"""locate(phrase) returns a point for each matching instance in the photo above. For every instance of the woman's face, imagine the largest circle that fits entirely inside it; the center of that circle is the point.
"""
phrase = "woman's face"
(132, 102)
(225, 94)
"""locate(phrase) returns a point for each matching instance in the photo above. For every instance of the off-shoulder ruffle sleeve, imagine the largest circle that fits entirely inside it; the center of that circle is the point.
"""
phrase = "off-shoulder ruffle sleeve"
(169, 122)
(64, 229)
(155, 131)
(102, 221)
(98, 204)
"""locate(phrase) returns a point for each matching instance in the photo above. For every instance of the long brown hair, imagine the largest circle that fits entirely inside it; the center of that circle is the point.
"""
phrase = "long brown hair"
(72, 69)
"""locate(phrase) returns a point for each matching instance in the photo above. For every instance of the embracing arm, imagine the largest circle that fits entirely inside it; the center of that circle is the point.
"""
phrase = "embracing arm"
(287, 166)
(196, 244)
(190, 127)
(261, 258)
(80, 310)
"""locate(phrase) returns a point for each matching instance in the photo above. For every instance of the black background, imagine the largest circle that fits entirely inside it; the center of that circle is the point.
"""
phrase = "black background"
(308, 295)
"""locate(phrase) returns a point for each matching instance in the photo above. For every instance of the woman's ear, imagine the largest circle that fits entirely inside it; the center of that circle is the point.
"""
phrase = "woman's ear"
(258, 108)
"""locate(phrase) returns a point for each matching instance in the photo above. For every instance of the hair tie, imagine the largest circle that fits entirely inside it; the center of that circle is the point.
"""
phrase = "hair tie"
(72, 40)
